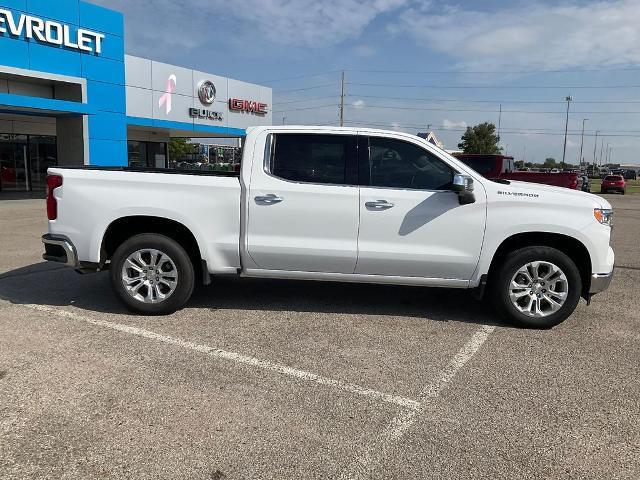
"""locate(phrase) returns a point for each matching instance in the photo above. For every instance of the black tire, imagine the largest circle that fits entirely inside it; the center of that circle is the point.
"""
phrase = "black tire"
(500, 286)
(179, 257)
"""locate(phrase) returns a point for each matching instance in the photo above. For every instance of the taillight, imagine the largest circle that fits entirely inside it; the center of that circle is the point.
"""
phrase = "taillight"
(53, 182)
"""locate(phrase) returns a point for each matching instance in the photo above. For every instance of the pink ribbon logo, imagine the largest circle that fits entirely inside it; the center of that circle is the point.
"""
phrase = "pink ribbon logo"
(165, 100)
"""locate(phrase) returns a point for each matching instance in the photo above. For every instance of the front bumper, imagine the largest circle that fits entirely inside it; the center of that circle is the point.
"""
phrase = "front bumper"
(58, 248)
(600, 282)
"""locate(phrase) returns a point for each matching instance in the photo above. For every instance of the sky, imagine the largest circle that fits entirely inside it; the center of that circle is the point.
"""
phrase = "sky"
(413, 63)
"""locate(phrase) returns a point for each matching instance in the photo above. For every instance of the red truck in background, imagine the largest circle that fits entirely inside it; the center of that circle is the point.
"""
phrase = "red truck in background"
(501, 167)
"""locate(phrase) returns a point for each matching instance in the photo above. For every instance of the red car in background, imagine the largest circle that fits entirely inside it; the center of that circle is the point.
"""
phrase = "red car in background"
(501, 167)
(614, 183)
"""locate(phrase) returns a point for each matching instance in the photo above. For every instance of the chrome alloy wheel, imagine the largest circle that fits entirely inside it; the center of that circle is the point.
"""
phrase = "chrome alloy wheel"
(149, 275)
(538, 289)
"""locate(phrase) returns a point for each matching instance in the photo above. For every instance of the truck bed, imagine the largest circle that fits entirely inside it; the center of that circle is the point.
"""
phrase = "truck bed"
(91, 198)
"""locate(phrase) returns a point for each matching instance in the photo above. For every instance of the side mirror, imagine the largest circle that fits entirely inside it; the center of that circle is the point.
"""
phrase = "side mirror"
(463, 186)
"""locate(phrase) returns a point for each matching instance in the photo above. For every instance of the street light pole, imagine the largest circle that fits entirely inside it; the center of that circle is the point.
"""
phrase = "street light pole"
(566, 128)
(601, 149)
(595, 146)
(582, 141)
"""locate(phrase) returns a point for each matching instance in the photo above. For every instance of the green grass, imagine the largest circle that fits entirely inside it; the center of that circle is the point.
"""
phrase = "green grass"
(633, 186)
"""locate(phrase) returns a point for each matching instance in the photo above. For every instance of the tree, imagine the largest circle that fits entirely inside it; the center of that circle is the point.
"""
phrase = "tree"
(178, 148)
(519, 164)
(550, 163)
(481, 139)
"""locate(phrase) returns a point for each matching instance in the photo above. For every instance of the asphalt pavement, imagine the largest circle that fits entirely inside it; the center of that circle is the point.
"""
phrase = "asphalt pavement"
(262, 379)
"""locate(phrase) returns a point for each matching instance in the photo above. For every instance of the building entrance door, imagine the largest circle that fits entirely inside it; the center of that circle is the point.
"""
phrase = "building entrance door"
(24, 160)
(14, 159)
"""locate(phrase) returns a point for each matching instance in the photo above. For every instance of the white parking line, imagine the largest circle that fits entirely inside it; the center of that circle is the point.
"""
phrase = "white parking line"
(407, 403)
(364, 466)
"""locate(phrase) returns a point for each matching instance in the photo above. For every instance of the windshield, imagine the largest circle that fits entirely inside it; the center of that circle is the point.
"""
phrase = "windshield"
(613, 178)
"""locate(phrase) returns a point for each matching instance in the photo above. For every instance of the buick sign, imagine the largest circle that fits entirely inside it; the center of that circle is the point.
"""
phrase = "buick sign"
(206, 92)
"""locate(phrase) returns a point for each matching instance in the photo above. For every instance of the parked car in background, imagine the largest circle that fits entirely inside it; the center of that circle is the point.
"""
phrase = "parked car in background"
(630, 174)
(614, 183)
(500, 167)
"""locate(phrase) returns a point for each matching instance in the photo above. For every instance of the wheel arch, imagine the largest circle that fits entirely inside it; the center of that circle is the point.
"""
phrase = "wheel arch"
(126, 227)
(568, 245)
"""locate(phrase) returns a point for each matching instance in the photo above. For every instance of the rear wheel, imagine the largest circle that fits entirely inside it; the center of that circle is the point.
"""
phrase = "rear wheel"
(537, 287)
(152, 274)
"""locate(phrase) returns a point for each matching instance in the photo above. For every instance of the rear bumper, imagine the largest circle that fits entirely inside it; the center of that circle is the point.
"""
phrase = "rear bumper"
(600, 282)
(58, 248)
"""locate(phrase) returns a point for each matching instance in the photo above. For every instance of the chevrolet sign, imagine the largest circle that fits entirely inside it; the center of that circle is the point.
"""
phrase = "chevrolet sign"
(50, 32)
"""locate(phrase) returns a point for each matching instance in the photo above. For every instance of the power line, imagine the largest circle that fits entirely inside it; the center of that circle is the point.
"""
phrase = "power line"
(461, 100)
(306, 88)
(297, 77)
(527, 87)
(304, 108)
(302, 100)
(397, 107)
(504, 71)
(505, 130)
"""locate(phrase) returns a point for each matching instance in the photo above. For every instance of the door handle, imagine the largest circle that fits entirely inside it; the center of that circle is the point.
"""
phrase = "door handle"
(269, 199)
(379, 205)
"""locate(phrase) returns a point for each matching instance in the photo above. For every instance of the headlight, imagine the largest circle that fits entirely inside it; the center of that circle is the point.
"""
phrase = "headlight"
(603, 215)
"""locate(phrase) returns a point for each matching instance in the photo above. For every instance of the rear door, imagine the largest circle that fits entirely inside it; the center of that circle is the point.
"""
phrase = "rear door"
(411, 222)
(303, 204)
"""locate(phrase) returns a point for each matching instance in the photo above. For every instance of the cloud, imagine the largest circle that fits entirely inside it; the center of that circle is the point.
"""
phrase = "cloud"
(300, 23)
(446, 124)
(364, 51)
(531, 35)
(359, 104)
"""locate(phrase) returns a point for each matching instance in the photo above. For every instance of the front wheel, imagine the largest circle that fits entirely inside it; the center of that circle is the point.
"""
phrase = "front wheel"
(152, 274)
(537, 287)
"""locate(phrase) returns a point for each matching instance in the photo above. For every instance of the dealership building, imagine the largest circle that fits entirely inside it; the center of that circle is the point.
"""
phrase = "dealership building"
(69, 95)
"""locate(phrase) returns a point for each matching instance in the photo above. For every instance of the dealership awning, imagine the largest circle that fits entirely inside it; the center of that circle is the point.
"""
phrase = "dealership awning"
(27, 105)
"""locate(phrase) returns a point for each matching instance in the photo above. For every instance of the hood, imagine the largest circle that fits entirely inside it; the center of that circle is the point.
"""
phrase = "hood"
(575, 194)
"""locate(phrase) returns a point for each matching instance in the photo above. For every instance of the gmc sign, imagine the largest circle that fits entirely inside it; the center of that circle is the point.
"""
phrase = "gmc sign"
(248, 106)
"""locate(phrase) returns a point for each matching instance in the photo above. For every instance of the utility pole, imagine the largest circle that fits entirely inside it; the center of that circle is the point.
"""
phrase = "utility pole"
(566, 128)
(284, 119)
(595, 146)
(601, 148)
(611, 155)
(342, 101)
(608, 152)
(499, 120)
(582, 141)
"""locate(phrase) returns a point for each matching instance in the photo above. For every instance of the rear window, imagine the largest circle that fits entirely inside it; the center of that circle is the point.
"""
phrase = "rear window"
(613, 178)
(313, 158)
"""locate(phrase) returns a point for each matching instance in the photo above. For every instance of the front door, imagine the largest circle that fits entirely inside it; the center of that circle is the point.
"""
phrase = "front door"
(14, 159)
(411, 223)
(303, 204)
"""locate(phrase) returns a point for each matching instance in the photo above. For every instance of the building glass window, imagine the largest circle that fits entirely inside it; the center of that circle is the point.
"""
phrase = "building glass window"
(24, 160)
(147, 154)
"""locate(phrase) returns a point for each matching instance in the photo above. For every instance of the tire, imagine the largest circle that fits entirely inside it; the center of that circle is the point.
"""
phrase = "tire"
(172, 277)
(564, 290)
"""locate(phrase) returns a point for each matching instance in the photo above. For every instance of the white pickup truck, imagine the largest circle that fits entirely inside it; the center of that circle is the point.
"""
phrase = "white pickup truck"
(336, 204)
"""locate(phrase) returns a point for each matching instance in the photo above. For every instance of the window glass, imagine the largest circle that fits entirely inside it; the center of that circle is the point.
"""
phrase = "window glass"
(397, 164)
(137, 154)
(312, 158)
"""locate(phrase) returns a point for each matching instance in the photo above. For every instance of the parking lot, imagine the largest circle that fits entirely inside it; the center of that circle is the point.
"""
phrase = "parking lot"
(285, 380)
